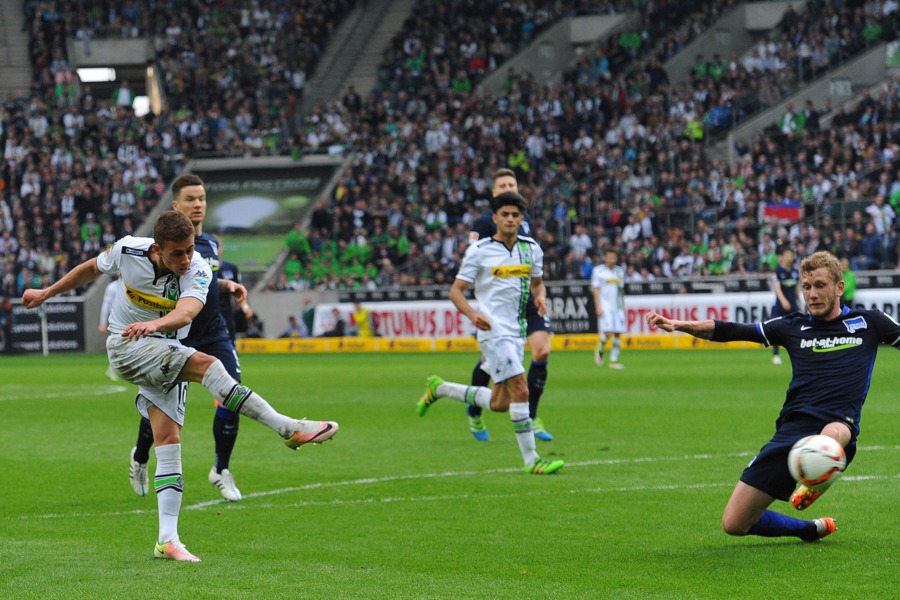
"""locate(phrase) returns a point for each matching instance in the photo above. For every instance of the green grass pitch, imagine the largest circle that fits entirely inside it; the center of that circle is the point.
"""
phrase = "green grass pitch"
(399, 506)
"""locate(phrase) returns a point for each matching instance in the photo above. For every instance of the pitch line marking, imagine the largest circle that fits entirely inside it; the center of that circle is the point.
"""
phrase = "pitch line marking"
(400, 499)
(390, 478)
(587, 463)
(22, 392)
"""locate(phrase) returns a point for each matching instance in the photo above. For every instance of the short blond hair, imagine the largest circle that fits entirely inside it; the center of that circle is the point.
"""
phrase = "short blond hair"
(504, 172)
(823, 260)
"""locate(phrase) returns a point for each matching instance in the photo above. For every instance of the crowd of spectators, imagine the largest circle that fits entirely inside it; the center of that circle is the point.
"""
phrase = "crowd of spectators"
(80, 170)
(803, 46)
(613, 156)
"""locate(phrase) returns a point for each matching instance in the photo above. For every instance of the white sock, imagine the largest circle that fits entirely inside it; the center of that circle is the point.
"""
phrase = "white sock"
(238, 398)
(616, 349)
(470, 394)
(169, 487)
(518, 414)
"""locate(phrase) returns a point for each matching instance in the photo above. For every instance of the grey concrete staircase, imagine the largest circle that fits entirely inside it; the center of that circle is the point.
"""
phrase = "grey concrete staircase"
(354, 53)
(15, 65)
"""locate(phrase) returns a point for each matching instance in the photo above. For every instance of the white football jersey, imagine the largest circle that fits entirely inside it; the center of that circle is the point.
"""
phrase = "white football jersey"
(502, 279)
(143, 296)
(611, 283)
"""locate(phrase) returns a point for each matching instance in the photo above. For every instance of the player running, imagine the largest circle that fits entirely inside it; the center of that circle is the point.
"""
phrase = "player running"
(503, 269)
(608, 283)
(538, 327)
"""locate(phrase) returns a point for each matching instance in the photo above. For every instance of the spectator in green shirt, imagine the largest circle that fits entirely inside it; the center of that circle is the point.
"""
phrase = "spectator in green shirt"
(298, 242)
(849, 283)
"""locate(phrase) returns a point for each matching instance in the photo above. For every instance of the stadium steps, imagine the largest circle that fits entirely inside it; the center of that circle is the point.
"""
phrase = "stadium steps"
(728, 34)
(320, 86)
(864, 71)
(364, 74)
(15, 64)
(354, 54)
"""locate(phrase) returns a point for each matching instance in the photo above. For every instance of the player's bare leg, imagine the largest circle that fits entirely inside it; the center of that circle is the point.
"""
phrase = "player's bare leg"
(747, 514)
(169, 485)
(209, 371)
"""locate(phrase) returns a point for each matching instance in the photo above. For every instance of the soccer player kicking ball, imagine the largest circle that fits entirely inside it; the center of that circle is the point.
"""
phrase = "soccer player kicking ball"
(501, 267)
(164, 287)
(208, 334)
(832, 350)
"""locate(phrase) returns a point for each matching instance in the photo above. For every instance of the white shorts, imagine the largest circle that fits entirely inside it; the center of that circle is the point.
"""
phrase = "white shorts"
(153, 364)
(503, 357)
(612, 321)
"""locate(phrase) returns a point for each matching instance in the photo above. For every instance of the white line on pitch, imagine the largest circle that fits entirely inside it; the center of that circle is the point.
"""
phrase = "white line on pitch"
(377, 480)
(29, 393)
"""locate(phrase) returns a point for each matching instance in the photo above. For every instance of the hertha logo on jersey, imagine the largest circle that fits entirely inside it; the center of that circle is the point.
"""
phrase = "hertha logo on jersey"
(855, 324)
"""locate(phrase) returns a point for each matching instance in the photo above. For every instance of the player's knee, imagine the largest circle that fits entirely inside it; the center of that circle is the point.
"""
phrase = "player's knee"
(202, 362)
(839, 431)
(539, 342)
(499, 404)
(540, 353)
(734, 523)
(734, 526)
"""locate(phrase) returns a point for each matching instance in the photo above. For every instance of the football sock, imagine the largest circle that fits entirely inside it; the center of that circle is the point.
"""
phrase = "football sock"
(144, 441)
(521, 422)
(774, 524)
(169, 487)
(225, 431)
(473, 396)
(537, 379)
(602, 345)
(479, 379)
(616, 349)
(238, 398)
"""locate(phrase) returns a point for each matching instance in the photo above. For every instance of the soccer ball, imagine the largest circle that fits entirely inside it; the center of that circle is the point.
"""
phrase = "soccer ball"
(816, 460)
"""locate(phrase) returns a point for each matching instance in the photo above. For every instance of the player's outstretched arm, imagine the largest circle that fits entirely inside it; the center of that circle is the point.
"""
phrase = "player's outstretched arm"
(699, 329)
(79, 276)
(458, 298)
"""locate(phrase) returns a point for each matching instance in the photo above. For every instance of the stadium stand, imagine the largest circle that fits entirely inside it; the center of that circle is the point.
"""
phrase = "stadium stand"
(616, 148)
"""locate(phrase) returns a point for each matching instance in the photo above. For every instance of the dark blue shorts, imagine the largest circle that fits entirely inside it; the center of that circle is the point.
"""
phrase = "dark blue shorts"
(768, 471)
(535, 322)
(225, 351)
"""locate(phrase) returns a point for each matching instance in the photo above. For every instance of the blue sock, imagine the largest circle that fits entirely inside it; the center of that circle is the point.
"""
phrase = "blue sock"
(224, 413)
(773, 524)
(144, 442)
(479, 379)
(537, 379)
(225, 431)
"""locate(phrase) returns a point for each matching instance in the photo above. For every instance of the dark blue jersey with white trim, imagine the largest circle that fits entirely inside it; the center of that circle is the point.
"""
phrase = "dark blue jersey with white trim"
(831, 361)
(230, 272)
(789, 280)
(208, 326)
